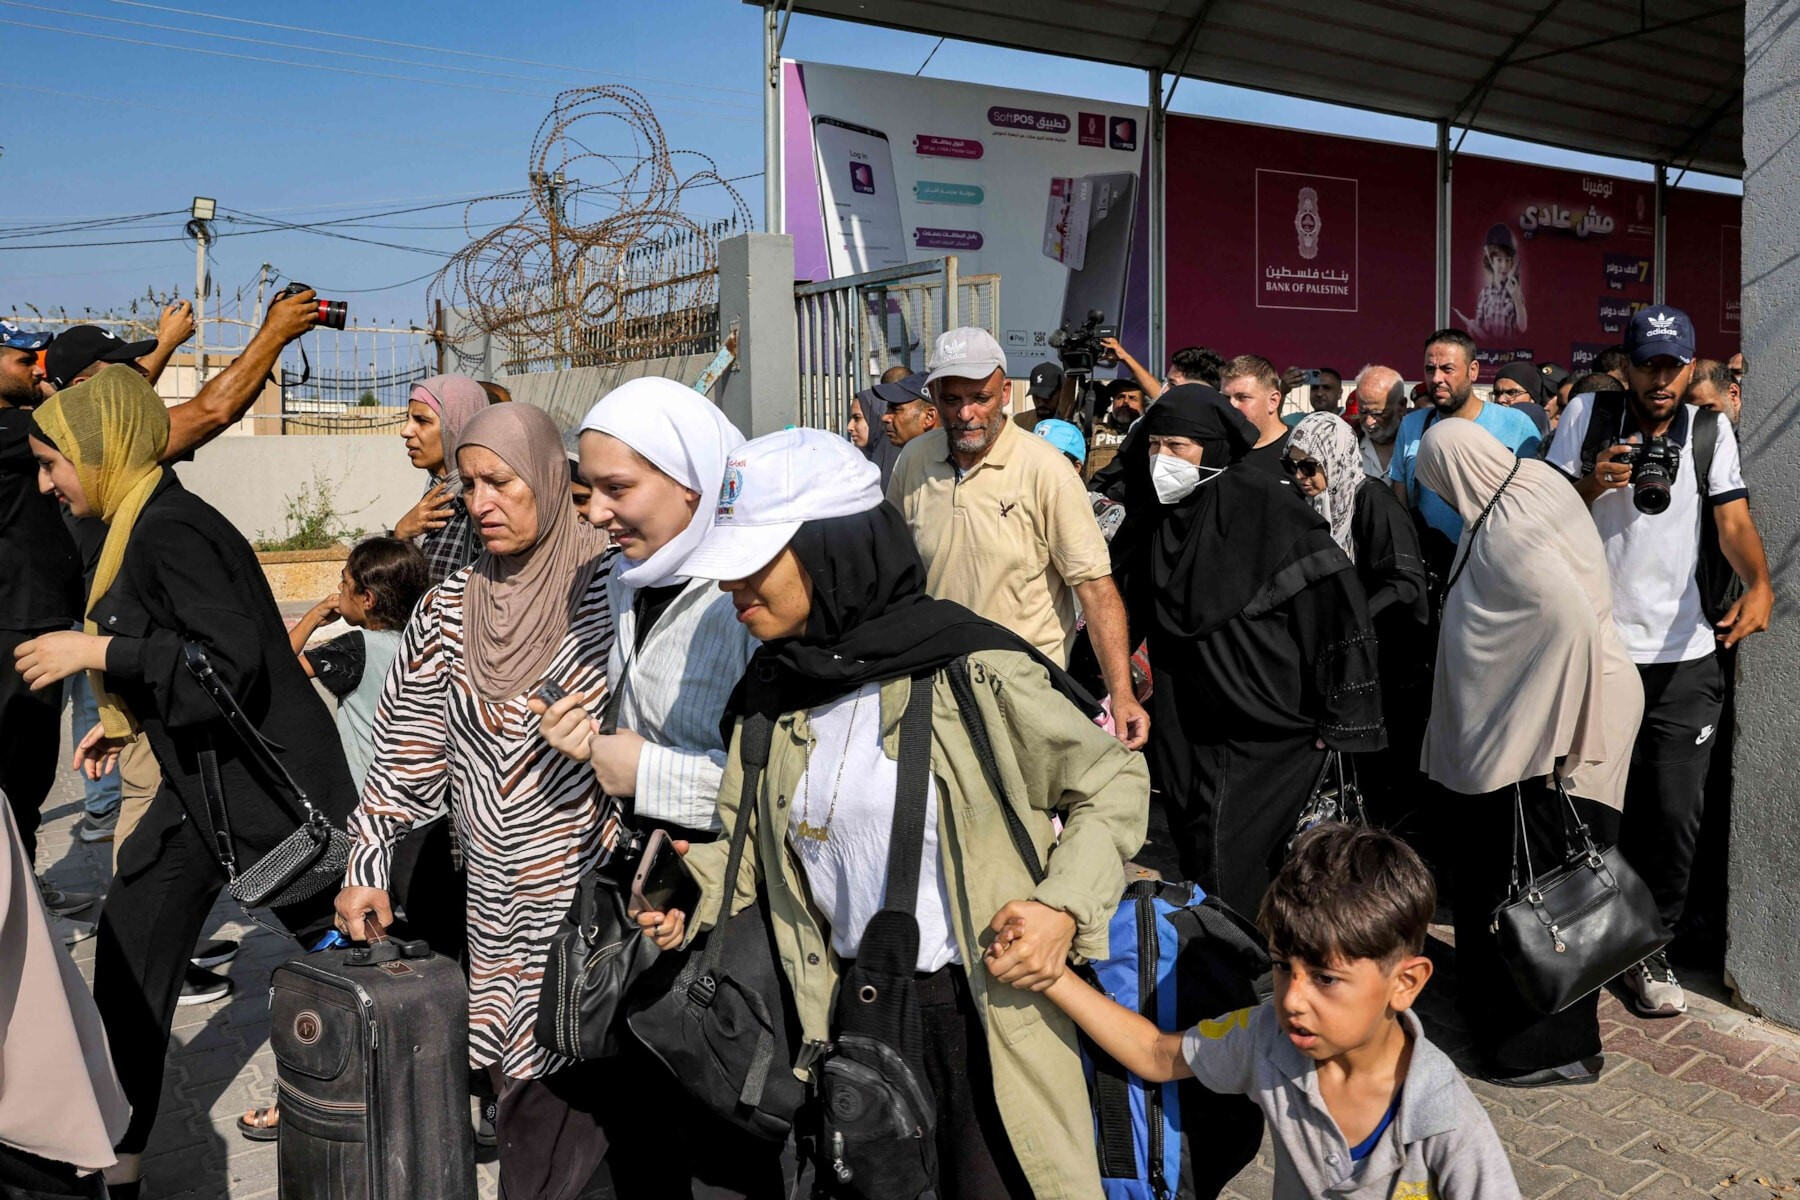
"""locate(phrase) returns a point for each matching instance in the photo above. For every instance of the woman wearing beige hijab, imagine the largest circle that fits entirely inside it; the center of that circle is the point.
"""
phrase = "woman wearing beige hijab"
(453, 729)
(1531, 681)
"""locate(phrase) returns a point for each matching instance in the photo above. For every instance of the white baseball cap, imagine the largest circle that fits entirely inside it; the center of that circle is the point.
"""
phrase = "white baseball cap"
(966, 353)
(773, 485)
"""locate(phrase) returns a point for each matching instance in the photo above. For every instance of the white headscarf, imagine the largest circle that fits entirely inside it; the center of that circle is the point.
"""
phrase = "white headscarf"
(1326, 438)
(1531, 675)
(683, 435)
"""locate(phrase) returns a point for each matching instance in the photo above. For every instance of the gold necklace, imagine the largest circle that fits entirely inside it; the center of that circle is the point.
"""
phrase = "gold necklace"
(807, 830)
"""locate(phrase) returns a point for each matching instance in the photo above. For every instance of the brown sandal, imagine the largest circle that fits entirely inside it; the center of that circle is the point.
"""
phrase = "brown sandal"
(261, 1124)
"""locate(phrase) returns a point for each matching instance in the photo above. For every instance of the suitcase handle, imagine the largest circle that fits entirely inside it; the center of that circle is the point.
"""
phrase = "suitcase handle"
(381, 948)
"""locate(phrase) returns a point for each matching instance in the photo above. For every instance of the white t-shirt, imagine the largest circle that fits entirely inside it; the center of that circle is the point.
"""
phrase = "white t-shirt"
(847, 872)
(1656, 600)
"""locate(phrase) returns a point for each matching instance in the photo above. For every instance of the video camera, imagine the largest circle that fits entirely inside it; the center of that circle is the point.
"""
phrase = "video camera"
(1079, 349)
(332, 313)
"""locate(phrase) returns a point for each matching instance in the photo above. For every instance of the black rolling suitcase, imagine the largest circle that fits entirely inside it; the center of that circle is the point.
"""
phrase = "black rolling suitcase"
(372, 1061)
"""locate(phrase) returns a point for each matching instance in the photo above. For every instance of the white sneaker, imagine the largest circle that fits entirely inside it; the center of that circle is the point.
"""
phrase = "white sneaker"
(1652, 988)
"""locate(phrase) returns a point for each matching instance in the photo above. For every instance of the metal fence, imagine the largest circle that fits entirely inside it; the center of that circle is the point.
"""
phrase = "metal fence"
(850, 330)
(691, 330)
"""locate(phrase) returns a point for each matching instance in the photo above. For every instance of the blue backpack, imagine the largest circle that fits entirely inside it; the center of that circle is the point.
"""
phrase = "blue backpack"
(1178, 957)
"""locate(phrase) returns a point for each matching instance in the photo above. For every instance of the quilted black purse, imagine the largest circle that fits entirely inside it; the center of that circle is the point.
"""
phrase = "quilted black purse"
(302, 864)
(1586, 920)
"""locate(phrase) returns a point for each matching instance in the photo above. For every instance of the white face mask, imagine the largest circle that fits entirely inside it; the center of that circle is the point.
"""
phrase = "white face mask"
(1176, 478)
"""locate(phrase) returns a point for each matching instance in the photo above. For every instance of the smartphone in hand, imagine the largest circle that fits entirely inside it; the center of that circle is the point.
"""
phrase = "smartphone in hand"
(662, 882)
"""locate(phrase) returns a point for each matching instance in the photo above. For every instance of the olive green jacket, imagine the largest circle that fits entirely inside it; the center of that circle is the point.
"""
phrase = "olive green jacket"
(1051, 759)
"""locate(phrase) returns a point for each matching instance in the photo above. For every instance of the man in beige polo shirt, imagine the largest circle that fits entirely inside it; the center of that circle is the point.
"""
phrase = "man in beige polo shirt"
(1005, 528)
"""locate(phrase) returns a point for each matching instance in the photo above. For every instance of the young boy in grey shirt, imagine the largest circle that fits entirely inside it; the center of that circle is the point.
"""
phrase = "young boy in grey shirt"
(1361, 1104)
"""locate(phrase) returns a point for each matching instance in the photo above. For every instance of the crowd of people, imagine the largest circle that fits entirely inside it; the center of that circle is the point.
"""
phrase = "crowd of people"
(1126, 637)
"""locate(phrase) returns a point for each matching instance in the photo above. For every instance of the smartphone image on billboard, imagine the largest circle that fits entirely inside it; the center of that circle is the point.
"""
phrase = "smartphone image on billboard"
(861, 205)
(1103, 250)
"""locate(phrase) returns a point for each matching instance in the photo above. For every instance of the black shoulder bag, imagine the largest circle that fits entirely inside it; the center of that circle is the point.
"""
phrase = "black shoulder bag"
(302, 864)
(1329, 801)
(726, 1026)
(1564, 933)
(879, 1118)
(597, 951)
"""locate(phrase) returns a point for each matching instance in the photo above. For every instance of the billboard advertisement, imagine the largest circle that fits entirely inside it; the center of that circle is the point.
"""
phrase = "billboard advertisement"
(1306, 249)
(1548, 264)
(1047, 191)
(1706, 266)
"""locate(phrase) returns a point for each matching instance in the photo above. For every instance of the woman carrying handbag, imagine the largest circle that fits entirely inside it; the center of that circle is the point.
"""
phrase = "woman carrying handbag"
(177, 585)
(1532, 682)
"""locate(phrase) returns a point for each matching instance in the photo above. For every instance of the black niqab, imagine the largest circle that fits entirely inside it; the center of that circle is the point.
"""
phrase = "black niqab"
(1238, 538)
(871, 621)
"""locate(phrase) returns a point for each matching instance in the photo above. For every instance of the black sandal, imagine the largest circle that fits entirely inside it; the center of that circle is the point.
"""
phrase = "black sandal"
(252, 1125)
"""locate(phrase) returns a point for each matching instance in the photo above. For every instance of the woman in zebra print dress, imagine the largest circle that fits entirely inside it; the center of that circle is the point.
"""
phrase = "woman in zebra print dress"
(453, 728)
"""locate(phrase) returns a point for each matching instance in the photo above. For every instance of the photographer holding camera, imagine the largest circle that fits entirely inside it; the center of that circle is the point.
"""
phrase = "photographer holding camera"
(1662, 481)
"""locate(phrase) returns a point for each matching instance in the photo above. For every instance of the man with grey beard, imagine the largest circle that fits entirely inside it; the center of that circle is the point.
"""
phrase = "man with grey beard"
(1380, 403)
(1004, 528)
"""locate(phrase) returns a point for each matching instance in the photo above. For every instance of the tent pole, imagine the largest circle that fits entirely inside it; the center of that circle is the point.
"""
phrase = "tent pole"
(1444, 160)
(1659, 267)
(1154, 181)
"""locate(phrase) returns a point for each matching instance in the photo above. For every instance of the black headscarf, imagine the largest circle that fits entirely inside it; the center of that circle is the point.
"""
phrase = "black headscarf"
(1527, 376)
(871, 621)
(1239, 542)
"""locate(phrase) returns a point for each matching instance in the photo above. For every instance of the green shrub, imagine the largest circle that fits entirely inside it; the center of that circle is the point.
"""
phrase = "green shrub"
(313, 521)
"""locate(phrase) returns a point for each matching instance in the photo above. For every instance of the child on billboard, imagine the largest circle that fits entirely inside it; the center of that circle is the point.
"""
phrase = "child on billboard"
(1500, 310)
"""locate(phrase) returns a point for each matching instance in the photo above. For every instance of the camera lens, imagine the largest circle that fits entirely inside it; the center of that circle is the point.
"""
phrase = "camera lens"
(333, 313)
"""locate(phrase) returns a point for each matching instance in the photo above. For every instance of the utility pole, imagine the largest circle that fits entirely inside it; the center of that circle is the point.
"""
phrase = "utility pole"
(203, 210)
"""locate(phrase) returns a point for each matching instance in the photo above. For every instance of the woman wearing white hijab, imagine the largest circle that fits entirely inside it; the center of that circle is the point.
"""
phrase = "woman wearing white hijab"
(654, 454)
(1531, 680)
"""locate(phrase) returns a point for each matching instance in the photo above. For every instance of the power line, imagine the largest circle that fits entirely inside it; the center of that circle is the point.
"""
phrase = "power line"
(586, 72)
(285, 62)
(230, 37)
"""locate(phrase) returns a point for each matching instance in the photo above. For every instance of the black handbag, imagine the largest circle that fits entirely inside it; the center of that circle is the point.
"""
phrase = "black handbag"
(726, 1026)
(1333, 799)
(302, 864)
(878, 1116)
(1565, 933)
(597, 952)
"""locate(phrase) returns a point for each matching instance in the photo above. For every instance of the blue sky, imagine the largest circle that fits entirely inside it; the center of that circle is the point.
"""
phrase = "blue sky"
(95, 128)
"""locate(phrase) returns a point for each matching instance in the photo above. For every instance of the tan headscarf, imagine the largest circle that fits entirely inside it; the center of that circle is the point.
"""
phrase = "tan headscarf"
(1531, 674)
(59, 1098)
(115, 429)
(519, 606)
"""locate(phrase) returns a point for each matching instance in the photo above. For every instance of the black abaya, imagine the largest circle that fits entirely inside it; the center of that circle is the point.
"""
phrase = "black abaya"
(1511, 1037)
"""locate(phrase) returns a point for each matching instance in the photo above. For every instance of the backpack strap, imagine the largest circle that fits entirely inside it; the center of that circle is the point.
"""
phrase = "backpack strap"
(958, 675)
(1705, 437)
(753, 753)
(912, 794)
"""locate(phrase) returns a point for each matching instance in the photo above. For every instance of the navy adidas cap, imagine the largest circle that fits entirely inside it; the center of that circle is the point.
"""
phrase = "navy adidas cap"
(1657, 330)
(901, 391)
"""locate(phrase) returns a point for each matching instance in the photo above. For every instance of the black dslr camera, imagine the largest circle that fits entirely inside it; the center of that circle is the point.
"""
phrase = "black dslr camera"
(332, 313)
(1654, 466)
(1080, 348)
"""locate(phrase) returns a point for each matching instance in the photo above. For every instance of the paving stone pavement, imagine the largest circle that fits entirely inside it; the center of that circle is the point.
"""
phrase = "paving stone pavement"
(1705, 1105)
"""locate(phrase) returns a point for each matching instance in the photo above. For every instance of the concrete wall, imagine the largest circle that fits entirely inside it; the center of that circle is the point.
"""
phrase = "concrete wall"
(250, 479)
(567, 395)
(1763, 953)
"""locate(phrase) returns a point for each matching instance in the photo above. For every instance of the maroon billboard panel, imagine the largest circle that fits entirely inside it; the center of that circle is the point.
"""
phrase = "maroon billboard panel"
(1706, 266)
(1306, 249)
(1547, 264)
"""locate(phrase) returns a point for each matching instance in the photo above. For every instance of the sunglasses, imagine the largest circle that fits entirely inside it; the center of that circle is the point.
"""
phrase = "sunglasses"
(1305, 466)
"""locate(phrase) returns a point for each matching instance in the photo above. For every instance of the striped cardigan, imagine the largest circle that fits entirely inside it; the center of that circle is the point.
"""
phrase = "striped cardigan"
(526, 816)
(672, 694)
